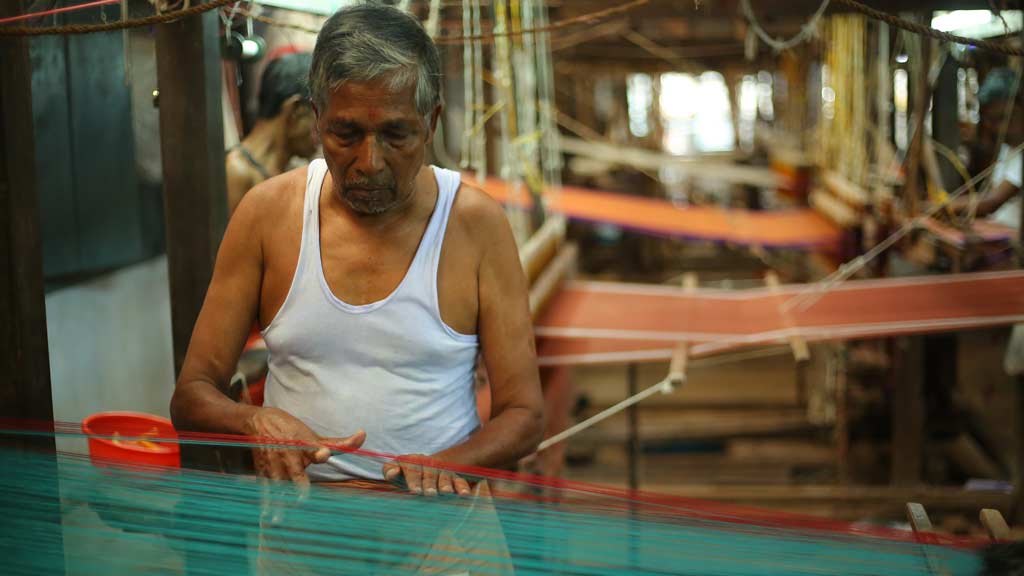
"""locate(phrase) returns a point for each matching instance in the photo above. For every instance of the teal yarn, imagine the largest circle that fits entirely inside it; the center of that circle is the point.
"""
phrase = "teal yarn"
(61, 513)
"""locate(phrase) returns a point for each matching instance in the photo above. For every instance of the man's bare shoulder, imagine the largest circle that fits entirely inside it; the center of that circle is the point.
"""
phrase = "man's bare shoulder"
(273, 197)
(480, 215)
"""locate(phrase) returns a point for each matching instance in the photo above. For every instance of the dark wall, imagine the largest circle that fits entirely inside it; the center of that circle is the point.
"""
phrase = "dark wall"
(96, 212)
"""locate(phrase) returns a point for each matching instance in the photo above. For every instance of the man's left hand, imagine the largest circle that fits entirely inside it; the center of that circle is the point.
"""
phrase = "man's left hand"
(422, 476)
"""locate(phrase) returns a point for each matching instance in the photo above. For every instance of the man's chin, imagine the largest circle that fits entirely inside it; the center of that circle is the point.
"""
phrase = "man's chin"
(367, 208)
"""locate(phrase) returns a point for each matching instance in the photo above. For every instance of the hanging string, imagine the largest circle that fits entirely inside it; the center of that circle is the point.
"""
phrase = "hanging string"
(665, 387)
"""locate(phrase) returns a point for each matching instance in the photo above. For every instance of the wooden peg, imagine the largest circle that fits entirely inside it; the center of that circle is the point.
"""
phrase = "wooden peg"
(924, 533)
(801, 352)
(681, 355)
(994, 524)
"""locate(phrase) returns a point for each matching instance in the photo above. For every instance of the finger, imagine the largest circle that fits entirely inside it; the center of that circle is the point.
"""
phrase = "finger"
(444, 483)
(461, 486)
(278, 471)
(259, 461)
(295, 468)
(429, 481)
(353, 442)
(413, 477)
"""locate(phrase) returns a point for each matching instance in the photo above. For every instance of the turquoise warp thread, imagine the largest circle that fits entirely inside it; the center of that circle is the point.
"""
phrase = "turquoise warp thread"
(103, 520)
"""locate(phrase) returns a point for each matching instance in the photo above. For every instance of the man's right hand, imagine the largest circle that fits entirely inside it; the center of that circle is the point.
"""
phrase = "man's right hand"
(290, 464)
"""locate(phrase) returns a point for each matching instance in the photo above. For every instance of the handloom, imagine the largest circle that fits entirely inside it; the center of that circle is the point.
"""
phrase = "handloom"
(597, 322)
(114, 518)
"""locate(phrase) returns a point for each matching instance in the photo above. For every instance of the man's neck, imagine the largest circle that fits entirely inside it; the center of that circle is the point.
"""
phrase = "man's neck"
(268, 145)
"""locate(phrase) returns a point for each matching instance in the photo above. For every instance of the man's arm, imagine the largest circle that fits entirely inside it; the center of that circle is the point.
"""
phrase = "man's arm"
(506, 338)
(228, 312)
(990, 202)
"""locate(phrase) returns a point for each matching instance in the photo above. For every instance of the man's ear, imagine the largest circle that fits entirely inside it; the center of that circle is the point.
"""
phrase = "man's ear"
(434, 117)
(292, 106)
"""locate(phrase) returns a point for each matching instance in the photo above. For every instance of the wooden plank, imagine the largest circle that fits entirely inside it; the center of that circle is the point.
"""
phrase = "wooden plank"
(907, 410)
(24, 357)
(994, 524)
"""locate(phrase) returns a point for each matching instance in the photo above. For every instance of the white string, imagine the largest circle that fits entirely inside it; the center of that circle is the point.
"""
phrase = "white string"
(806, 31)
(665, 387)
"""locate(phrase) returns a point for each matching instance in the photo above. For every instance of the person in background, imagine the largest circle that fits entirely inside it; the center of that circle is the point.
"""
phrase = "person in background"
(1002, 202)
(284, 128)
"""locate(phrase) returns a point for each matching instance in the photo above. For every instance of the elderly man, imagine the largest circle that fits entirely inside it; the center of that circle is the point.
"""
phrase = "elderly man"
(375, 280)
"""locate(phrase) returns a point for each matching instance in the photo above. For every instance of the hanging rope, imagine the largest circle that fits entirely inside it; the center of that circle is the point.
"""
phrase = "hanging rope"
(923, 30)
(806, 31)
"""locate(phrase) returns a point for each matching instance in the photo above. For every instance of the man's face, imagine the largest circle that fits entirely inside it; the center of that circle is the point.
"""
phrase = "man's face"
(991, 122)
(374, 142)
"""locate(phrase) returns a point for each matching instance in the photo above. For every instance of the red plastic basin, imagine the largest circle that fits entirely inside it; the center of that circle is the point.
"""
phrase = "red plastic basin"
(131, 425)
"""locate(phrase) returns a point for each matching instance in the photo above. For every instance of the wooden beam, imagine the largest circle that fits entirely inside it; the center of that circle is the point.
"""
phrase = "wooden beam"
(719, 170)
(192, 148)
(195, 196)
(24, 358)
(848, 502)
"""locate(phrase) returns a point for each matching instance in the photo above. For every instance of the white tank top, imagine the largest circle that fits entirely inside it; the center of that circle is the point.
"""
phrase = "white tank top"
(392, 368)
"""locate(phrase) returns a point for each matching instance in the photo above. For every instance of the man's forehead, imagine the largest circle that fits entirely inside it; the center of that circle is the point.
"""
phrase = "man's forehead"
(357, 98)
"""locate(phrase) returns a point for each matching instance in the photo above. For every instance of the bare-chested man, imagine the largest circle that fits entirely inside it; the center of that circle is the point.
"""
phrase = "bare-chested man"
(375, 280)
(283, 130)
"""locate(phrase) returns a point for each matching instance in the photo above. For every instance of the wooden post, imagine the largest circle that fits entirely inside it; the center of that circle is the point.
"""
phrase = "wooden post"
(921, 94)
(192, 146)
(195, 203)
(24, 357)
(907, 411)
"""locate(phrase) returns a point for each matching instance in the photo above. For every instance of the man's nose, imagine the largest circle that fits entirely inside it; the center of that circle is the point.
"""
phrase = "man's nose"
(369, 157)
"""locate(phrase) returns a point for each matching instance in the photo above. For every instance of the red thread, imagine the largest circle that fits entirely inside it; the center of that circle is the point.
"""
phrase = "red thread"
(57, 11)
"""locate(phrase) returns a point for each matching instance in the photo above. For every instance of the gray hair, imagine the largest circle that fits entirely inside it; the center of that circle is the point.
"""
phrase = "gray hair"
(375, 41)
